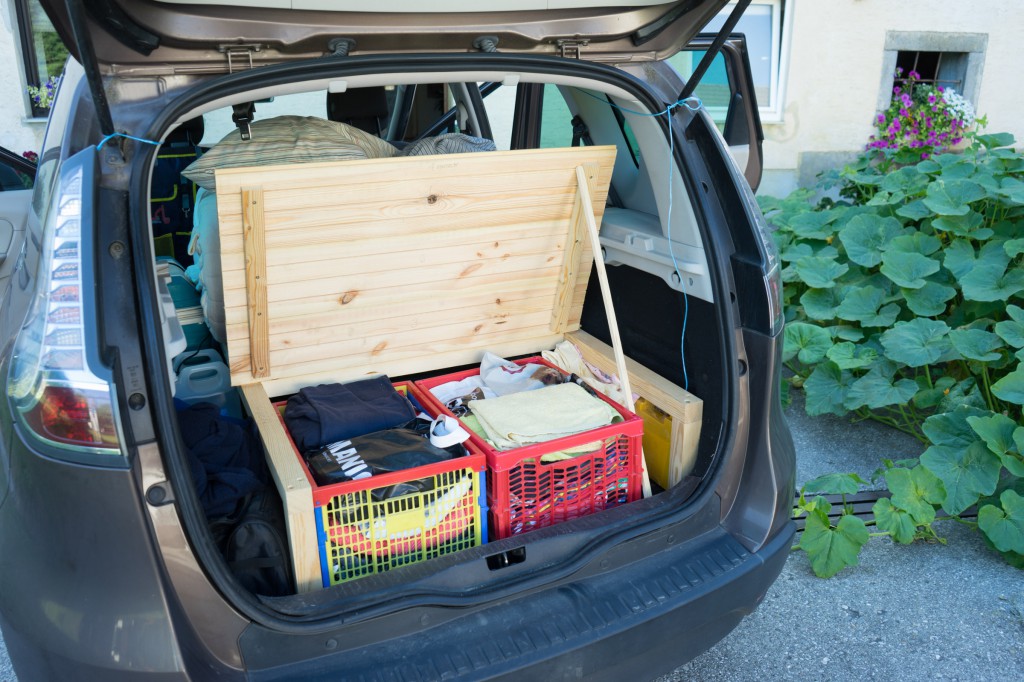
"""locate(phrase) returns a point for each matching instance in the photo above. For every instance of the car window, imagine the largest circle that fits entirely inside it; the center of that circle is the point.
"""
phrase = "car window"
(53, 141)
(500, 106)
(15, 172)
(714, 89)
(218, 123)
(556, 119)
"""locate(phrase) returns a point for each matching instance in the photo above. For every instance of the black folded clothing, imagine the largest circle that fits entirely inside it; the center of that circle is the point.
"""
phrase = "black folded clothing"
(376, 453)
(331, 412)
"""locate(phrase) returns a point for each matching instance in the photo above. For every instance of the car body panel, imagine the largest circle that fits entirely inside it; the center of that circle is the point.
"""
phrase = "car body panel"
(140, 34)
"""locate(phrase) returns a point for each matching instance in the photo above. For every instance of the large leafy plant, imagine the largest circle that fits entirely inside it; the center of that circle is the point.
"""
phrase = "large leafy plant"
(905, 304)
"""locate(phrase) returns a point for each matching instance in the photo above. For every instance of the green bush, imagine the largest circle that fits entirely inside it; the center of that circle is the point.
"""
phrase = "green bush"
(902, 306)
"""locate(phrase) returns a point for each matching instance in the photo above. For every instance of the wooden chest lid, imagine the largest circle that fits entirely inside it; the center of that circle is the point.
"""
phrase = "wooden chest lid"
(332, 271)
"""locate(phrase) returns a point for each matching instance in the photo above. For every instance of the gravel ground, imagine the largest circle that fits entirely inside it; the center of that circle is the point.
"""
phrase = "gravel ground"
(923, 612)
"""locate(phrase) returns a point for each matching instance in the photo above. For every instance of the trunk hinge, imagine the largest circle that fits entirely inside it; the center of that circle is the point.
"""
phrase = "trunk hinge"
(570, 48)
(239, 55)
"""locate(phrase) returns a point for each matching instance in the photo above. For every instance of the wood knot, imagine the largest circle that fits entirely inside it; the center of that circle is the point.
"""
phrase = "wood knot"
(497, 301)
(348, 297)
(432, 199)
(471, 269)
(477, 328)
(379, 348)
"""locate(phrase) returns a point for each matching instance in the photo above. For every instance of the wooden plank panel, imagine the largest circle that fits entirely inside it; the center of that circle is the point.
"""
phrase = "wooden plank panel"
(572, 261)
(362, 366)
(401, 342)
(496, 240)
(343, 274)
(292, 484)
(685, 408)
(388, 303)
(333, 231)
(256, 280)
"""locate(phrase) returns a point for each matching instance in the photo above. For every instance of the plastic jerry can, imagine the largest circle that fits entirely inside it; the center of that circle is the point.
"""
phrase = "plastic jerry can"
(657, 438)
(202, 377)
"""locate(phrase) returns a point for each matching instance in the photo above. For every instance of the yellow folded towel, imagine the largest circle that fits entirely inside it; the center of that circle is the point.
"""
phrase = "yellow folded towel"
(518, 419)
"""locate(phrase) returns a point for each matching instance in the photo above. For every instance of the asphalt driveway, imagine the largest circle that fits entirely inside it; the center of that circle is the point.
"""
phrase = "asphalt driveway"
(923, 612)
(918, 612)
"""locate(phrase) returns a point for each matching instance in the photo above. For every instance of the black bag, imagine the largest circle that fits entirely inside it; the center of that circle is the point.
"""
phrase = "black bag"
(254, 542)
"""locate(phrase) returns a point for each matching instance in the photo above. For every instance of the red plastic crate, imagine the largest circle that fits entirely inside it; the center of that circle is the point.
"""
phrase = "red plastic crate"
(525, 493)
(359, 535)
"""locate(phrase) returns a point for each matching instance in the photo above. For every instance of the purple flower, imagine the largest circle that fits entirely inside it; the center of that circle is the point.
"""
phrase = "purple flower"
(881, 118)
(914, 75)
(899, 71)
(896, 91)
(905, 98)
(931, 98)
(925, 155)
(904, 112)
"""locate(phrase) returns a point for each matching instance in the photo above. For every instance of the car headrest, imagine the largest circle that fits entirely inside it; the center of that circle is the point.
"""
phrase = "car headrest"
(364, 108)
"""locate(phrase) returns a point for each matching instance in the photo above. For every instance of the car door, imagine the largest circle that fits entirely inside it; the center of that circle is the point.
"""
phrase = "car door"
(726, 89)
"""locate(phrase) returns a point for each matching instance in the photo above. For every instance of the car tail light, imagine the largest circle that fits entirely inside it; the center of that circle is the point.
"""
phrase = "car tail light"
(59, 387)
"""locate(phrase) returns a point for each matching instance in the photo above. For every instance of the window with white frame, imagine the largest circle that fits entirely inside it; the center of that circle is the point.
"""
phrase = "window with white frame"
(761, 25)
(42, 53)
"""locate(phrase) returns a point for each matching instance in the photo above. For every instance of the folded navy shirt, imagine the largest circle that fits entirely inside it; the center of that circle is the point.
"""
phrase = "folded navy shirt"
(322, 414)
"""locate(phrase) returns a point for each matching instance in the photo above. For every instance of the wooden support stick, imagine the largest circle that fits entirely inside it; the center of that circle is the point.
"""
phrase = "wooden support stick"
(613, 326)
(256, 280)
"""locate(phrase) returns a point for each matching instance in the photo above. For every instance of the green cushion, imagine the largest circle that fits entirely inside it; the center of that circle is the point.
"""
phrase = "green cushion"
(287, 139)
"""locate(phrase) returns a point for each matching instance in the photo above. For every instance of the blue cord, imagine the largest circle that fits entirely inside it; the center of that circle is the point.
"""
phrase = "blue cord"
(693, 104)
(130, 137)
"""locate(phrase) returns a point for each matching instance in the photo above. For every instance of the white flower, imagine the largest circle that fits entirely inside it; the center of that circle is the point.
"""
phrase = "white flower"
(958, 106)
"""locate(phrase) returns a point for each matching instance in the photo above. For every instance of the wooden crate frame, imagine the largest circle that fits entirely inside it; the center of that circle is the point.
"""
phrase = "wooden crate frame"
(335, 271)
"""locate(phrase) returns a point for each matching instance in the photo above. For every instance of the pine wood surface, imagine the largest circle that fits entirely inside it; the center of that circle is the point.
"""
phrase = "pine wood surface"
(292, 484)
(685, 408)
(407, 264)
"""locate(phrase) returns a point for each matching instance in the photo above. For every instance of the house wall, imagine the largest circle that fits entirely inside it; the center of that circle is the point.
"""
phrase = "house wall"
(838, 67)
(18, 132)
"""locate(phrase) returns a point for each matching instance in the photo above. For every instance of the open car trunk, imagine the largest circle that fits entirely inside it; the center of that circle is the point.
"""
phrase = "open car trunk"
(415, 266)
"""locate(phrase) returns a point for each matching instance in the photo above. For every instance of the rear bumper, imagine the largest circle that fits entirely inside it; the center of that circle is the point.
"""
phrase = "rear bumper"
(637, 621)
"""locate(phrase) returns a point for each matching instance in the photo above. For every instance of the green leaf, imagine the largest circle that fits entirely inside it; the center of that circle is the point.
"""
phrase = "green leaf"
(916, 343)
(993, 140)
(865, 235)
(908, 269)
(929, 300)
(861, 305)
(908, 492)
(1014, 462)
(876, 390)
(825, 390)
(832, 549)
(795, 252)
(963, 225)
(1011, 387)
(847, 355)
(1014, 247)
(820, 304)
(834, 484)
(908, 180)
(951, 197)
(820, 273)
(967, 473)
(965, 393)
(952, 428)
(1004, 527)
(1012, 191)
(898, 523)
(996, 430)
(976, 344)
(915, 210)
(846, 332)
(916, 242)
(987, 279)
(813, 224)
(806, 341)
(959, 257)
(1012, 330)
